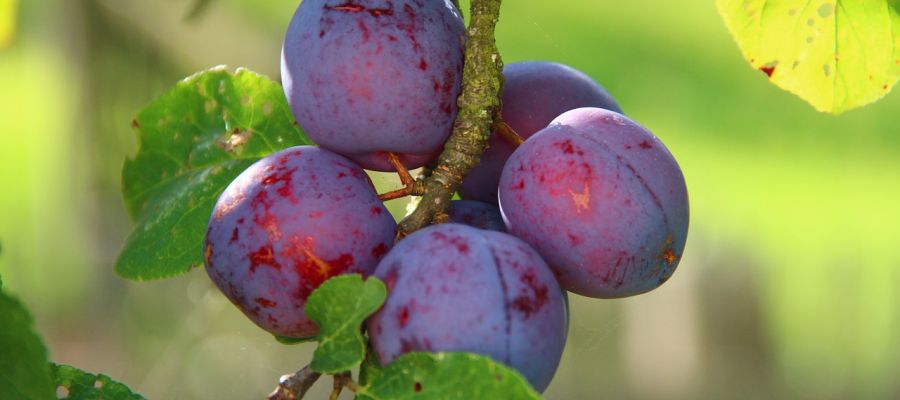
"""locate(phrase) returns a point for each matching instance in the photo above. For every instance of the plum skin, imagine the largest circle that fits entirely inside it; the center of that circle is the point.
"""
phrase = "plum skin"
(602, 200)
(476, 214)
(288, 223)
(455, 288)
(368, 77)
(534, 93)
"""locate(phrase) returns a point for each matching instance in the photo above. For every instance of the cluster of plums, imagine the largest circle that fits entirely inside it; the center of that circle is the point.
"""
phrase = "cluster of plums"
(593, 203)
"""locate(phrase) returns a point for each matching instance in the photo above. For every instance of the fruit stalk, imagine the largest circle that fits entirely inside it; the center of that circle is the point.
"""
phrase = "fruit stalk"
(479, 106)
(509, 134)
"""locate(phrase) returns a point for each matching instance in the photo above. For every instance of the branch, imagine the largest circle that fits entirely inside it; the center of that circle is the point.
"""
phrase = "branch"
(479, 107)
(295, 386)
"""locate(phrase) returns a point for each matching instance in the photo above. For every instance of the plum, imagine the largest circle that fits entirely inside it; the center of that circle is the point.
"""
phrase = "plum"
(367, 77)
(454, 288)
(534, 93)
(601, 199)
(288, 223)
(476, 214)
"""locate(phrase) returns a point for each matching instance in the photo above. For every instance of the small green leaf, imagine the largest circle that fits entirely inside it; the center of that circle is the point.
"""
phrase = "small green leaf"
(447, 376)
(194, 141)
(339, 307)
(836, 55)
(80, 385)
(24, 372)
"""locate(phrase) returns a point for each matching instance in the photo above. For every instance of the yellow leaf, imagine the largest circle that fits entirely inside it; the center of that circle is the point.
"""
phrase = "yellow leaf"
(835, 54)
(8, 10)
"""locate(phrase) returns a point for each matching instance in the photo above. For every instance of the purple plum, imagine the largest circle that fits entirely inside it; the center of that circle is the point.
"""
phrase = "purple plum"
(476, 214)
(368, 77)
(454, 288)
(534, 93)
(602, 200)
(288, 223)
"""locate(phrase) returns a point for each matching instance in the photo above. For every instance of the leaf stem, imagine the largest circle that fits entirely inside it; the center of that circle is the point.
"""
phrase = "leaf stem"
(338, 385)
(347, 381)
(479, 105)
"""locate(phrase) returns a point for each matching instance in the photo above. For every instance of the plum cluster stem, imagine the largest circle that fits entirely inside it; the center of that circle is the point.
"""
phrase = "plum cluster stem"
(479, 111)
(478, 116)
(295, 386)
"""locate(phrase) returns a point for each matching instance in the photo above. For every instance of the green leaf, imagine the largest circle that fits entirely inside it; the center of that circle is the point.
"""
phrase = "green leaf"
(836, 55)
(194, 141)
(80, 385)
(24, 373)
(292, 341)
(447, 376)
(339, 307)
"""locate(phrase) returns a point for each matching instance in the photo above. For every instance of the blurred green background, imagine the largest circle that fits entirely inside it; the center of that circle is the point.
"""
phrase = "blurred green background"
(788, 287)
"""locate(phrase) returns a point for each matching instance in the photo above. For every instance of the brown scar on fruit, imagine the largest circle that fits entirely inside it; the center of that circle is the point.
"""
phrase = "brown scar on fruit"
(582, 200)
(207, 255)
(356, 8)
(668, 255)
(324, 267)
(347, 7)
(263, 256)
(265, 303)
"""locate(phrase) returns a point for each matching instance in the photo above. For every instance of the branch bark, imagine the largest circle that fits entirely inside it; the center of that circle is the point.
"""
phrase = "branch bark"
(479, 110)
(295, 386)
